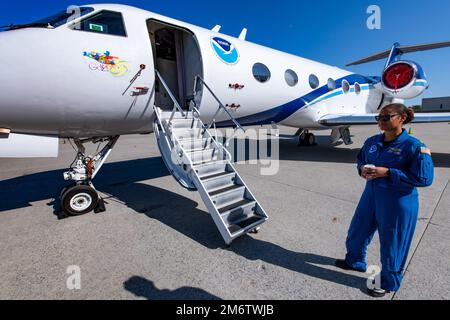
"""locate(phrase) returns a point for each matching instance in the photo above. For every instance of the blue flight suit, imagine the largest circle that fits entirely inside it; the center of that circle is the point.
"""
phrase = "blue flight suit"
(389, 205)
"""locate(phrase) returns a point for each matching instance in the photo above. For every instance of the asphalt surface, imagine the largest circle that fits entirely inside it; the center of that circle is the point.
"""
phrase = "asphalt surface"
(157, 241)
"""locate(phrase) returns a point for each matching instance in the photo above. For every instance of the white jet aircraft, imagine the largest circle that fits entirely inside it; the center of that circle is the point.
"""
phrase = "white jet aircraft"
(94, 73)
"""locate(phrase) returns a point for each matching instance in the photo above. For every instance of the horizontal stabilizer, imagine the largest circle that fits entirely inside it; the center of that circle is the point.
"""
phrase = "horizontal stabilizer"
(402, 50)
(364, 119)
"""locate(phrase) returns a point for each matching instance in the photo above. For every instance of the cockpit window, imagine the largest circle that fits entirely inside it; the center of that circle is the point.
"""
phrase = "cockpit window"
(106, 22)
(56, 20)
(65, 16)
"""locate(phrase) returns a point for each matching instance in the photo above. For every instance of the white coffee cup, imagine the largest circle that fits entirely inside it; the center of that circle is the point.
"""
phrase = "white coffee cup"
(369, 166)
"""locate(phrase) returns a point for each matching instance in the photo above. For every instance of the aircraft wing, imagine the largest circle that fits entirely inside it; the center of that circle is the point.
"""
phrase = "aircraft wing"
(362, 119)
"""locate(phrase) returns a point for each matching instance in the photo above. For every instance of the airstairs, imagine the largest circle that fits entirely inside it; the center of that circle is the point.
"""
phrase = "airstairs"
(198, 161)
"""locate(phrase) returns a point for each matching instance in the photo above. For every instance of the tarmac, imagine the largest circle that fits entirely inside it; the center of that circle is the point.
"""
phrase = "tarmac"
(157, 241)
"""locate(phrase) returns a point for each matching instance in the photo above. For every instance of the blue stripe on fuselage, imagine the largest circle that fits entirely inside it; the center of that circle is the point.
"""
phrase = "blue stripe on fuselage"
(284, 111)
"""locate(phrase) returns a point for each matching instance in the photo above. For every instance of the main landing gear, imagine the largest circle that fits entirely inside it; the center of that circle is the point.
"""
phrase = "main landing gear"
(305, 138)
(81, 197)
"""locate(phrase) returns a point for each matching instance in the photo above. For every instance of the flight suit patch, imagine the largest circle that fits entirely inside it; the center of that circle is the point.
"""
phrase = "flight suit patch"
(396, 151)
(425, 150)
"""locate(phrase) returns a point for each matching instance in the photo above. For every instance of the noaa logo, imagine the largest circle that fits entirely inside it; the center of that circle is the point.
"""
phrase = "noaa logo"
(373, 149)
(225, 50)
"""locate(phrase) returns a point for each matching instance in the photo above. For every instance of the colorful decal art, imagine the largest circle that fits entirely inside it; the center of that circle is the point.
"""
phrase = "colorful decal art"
(107, 63)
(225, 50)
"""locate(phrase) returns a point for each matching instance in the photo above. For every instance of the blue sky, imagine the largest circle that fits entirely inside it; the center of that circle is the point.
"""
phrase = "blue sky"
(332, 32)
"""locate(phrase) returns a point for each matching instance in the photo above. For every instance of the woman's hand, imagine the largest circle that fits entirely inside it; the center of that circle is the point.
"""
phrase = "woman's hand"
(375, 173)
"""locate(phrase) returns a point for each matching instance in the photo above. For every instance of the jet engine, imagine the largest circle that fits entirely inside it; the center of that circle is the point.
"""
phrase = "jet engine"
(403, 80)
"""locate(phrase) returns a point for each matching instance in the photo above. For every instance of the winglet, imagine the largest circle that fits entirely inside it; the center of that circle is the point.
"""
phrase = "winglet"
(216, 28)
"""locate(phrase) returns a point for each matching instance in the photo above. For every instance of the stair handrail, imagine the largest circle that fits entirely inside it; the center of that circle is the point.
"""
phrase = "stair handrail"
(172, 97)
(221, 106)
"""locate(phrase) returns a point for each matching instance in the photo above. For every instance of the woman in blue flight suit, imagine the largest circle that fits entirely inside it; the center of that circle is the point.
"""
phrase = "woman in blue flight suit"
(390, 201)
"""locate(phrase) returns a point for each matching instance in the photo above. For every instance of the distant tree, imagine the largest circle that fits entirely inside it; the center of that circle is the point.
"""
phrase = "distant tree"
(417, 108)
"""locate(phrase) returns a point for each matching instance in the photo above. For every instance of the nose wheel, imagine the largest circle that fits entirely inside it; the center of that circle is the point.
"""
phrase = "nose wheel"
(79, 200)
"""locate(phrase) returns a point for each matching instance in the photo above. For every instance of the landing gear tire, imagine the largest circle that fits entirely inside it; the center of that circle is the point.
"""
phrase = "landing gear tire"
(307, 140)
(310, 139)
(79, 200)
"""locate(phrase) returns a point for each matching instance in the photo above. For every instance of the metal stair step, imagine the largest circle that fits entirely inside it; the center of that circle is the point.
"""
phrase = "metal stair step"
(184, 133)
(210, 168)
(219, 180)
(202, 155)
(242, 225)
(229, 194)
(240, 212)
(225, 190)
(183, 123)
(205, 161)
(216, 175)
(234, 205)
(195, 144)
(165, 115)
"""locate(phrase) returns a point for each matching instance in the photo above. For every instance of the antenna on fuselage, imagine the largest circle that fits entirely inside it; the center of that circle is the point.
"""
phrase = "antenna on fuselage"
(243, 34)
(216, 28)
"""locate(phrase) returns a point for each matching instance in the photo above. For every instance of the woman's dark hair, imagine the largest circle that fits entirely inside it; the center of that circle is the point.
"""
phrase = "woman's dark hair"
(401, 109)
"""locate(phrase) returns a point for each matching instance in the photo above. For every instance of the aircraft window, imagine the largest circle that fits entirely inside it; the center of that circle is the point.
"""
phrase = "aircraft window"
(106, 22)
(331, 84)
(314, 81)
(357, 88)
(345, 86)
(56, 20)
(291, 77)
(261, 72)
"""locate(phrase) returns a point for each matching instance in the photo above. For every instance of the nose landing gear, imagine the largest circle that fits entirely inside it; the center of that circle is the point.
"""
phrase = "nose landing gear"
(81, 197)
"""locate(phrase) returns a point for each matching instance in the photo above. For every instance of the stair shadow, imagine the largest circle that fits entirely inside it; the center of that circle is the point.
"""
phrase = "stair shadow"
(309, 264)
(182, 215)
(142, 287)
(173, 210)
(20, 192)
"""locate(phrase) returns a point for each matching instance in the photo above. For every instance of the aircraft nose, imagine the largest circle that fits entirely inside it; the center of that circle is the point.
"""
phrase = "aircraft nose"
(20, 77)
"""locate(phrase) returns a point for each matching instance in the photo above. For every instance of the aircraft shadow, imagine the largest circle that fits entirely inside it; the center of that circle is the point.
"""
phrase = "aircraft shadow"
(175, 211)
(142, 287)
(324, 151)
(20, 192)
(182, 215)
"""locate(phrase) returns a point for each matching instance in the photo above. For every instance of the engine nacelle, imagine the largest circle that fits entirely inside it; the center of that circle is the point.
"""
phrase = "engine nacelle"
(403, 80)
